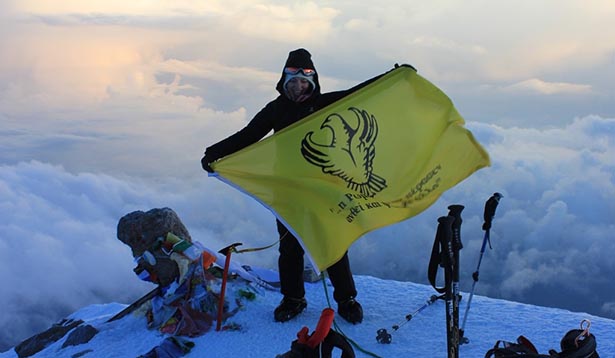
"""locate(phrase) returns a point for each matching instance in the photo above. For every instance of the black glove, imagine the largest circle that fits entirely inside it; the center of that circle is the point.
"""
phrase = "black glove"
(205, 164)
(405, 65)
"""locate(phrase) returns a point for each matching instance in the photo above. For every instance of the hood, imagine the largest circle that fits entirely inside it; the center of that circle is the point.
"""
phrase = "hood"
(303, 59)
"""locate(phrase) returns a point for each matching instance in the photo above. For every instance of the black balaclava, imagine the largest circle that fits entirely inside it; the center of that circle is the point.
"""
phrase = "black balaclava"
(299, 58)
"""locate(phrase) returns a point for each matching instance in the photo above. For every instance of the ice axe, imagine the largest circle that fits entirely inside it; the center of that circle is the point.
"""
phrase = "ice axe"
(227, 251)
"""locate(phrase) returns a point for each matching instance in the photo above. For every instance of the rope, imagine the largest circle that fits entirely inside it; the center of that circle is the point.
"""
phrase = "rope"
(253, 249)
(337, 327)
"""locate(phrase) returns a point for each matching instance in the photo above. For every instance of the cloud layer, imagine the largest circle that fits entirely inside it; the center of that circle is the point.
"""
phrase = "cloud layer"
(552, 231)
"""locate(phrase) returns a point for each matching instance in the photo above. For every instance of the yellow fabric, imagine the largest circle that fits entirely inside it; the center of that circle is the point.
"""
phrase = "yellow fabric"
(376, 157)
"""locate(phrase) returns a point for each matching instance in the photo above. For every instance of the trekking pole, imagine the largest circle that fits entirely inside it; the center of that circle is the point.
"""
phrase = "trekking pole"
(445, 232)
(226, 252)
(455, 212)
(490, 205)
(443, 255)
(385, 337)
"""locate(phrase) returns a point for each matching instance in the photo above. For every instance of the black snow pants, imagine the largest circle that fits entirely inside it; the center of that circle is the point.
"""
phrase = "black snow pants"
(291, 265)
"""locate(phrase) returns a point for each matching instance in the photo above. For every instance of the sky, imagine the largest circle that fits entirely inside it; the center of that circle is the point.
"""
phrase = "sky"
(106, 108)
(386, 303)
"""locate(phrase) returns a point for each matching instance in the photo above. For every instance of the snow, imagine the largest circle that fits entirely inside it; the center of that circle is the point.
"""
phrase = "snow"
(385, 303)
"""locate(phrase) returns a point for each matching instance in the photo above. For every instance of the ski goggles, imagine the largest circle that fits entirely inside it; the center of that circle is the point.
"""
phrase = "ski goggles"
(296, 70)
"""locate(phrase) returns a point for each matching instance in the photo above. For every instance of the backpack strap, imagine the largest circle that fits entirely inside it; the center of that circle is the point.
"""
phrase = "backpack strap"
(441, 255)
(527, 344)
(336, 340)
(524, 348)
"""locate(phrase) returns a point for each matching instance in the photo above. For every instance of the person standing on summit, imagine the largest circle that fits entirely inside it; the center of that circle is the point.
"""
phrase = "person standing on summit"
(299, 96)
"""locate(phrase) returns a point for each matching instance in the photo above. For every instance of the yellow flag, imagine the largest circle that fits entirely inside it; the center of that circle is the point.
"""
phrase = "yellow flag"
(378, 156)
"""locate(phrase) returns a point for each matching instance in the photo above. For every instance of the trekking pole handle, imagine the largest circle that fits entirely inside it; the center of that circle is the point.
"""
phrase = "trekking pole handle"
(455, 211)
(447, 239)
(490, 206)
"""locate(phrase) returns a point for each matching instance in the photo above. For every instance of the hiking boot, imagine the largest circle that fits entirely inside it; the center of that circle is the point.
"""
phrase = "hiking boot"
(289, 308)
(350, 310)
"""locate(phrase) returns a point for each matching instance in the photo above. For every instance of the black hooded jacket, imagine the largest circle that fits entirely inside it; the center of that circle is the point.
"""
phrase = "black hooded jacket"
(281, 112)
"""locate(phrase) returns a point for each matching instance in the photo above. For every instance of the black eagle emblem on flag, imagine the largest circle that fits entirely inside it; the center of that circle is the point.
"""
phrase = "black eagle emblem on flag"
(351, 153)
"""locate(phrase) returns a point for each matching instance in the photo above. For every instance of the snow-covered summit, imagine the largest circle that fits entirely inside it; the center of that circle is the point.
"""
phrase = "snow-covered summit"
(385, 303)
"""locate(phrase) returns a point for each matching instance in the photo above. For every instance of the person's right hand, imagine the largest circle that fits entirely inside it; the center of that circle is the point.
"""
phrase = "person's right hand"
(205, 164)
